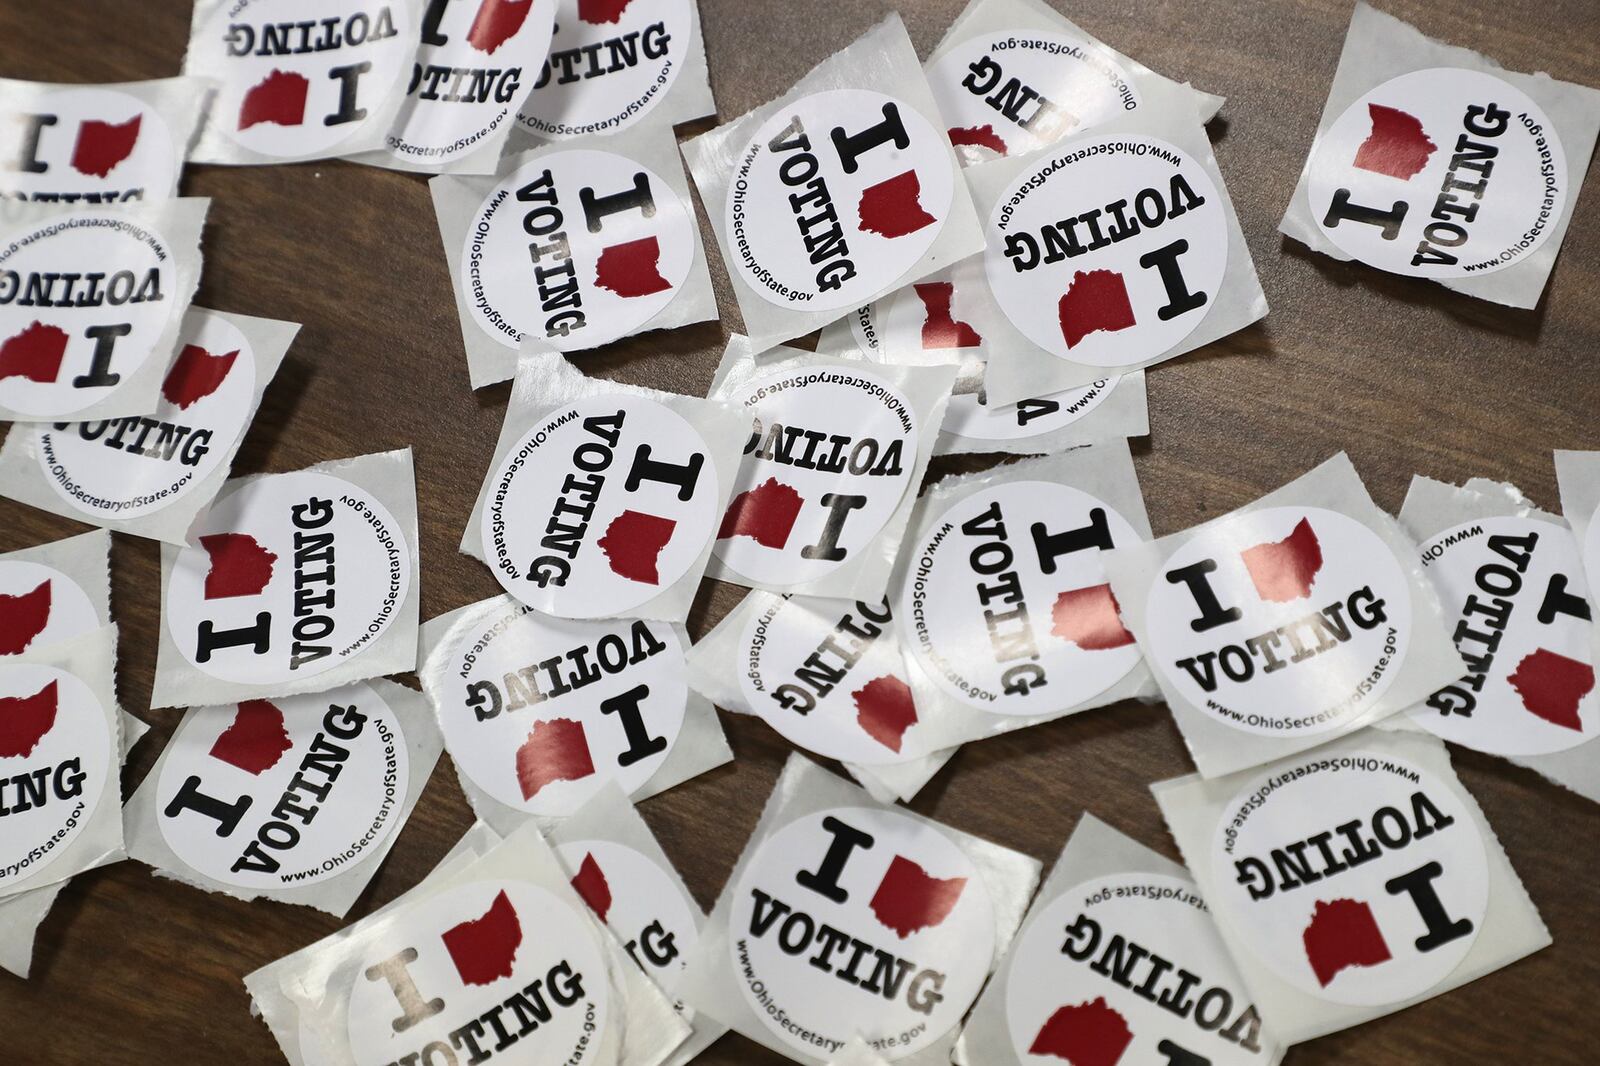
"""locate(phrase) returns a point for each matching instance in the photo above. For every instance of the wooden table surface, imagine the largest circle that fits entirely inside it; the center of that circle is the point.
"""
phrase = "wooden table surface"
(1402, 374)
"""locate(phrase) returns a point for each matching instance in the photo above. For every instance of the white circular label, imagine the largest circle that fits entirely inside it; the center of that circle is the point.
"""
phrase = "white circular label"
(468, 76)
(275, 794)
(599, 508)
(835, 198)
(829, 460)
(1287, 621)
(829, 676)
(1128, 968)
(861, 921)
(84, 300)
(127, 467)
(39, 606)
(540, 712)
(1356, 878)
(426, 981)
(1517, 590)
(302, 77)
(55, 762)
(574, 250)
(643, 904)
(1439, 173)
(1110, 251)
(1010, 93)
(89, 143)
(1006, 603)
(970, 416)
(287, 576)
(610, 63)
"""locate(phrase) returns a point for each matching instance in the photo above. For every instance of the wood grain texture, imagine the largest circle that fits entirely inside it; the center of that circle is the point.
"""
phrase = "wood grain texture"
(1404, 375)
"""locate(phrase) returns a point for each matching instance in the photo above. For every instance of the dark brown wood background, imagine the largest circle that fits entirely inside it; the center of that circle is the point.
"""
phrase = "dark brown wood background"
(1404, 375)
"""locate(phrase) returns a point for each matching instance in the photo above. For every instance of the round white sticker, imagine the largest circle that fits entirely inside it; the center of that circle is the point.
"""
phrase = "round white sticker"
(90, 143)
(84, 300)
(1110, 251)
(39, 606)
(1439, 173)
(287, 576)
(1517, 589)
(1010, 93)
(1355, 878)
(429, 978)
(471, 72)
(568, 533)
(835, 198)
(274, 794)
(828, 675)
(969, 414)
(574, 250)
(540, 712)
(610, 63)
(55, 761)
(828, 462)
(127, 467)
(1128, 968)
(302, 77)
(861, 921)
(1007, 607)
(643, 904)
(1287, 621)
(936, 320)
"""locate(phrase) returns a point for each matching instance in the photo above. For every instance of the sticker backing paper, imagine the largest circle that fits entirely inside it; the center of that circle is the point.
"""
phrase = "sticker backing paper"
(1297, 618)
(1351, 881)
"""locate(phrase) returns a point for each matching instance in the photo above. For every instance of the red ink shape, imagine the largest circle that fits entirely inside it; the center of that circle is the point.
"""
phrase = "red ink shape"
(35, 354)
(1284, 570)
(255, 741)
(633, 542)
(592, 885)
(1090, 618)
(23, 617)
(766, 514)
(939, 327)
(239, 565)
(594, 12)
(982, 136)
(196, 374)
(1085, 1034)
(556, 750)
(892, 208)
(485, 949)
(101, 145)
(24, 720)
(908, 900)
(631, 268)
(279, 98)
(496, 22)
(1096, 300)
(1551, 685)
(1343, 933)
(885, 709)
(1396, 146)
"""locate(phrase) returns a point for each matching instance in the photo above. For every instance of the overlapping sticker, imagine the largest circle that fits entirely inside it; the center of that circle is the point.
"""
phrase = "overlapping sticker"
(1118, 961)
(539, 713)
(834, 454)
(151, 475)
(293, 583)
(1352, 880)
(603, 499)
(54, 592)
(91, 303)
(837, 193)
(97, 144)
(1435, 162)
(571, 247)
(1295, 619)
